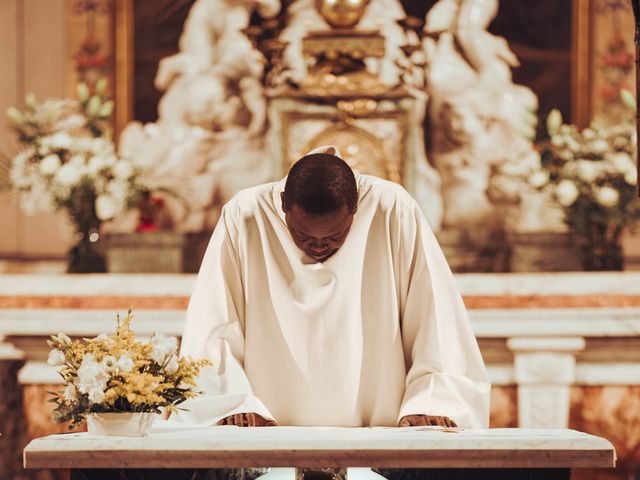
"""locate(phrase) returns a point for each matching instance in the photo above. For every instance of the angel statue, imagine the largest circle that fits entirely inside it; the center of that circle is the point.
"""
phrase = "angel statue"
(208, 136)
(483, 124)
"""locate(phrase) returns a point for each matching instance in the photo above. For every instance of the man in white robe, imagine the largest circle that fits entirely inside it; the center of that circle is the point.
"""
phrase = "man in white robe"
(335, 307)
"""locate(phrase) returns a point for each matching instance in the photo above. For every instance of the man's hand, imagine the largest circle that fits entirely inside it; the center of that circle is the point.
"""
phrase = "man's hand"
(247, 420)
(425, 421)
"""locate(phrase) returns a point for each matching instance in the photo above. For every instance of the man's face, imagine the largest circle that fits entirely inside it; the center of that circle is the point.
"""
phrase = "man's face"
(319, 236)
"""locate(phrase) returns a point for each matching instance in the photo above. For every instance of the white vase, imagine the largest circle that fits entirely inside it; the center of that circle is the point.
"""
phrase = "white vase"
(124, 424)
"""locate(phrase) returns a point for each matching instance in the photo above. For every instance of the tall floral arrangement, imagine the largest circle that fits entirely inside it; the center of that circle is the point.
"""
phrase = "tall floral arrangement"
(592, 175)
(69, 162)
(118, 373)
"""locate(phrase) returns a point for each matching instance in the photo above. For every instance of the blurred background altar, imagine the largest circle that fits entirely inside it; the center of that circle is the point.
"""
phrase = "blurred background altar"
(131, 122)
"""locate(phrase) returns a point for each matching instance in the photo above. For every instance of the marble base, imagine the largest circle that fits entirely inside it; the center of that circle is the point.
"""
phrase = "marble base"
(543, 252)
(156, 252)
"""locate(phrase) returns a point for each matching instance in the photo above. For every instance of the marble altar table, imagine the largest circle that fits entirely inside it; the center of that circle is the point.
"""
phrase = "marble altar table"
(549, 453)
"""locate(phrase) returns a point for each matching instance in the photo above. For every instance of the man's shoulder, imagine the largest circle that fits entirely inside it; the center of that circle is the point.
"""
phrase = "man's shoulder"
(247, 201)
(386, 193)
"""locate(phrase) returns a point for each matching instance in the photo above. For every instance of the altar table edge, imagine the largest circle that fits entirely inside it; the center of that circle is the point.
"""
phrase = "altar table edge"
(324, 459)
(411, 447)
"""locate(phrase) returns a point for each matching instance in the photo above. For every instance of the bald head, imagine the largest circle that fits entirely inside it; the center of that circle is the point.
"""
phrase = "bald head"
(319, 184)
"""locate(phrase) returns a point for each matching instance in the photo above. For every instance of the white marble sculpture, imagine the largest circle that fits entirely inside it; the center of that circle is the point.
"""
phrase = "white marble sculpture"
(211, 119)
(483, 124)
(380, 15)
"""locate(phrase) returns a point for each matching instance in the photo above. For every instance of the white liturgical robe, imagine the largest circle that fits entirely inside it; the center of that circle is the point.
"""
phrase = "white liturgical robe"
(376, 332)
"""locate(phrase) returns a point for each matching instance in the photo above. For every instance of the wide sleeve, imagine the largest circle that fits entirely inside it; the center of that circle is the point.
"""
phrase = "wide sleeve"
(214, 329)
(446, 375)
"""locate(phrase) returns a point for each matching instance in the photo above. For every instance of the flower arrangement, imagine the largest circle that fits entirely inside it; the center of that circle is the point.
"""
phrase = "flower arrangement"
(592, 175)
(69, 162)
(117, 373)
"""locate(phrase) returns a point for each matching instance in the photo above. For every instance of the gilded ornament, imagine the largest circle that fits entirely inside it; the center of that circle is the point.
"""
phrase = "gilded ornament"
(342, 13)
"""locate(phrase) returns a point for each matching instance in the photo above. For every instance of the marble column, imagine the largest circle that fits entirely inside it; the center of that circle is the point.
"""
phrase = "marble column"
(545, 369)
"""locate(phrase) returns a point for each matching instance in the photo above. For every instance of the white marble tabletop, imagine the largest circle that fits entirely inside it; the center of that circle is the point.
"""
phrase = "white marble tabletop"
(173, 446)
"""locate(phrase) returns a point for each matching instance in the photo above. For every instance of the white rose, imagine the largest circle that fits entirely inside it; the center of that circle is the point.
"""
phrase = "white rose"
(163, 347)
(125, 363)
(567, 193)
(68, 175)
(70, 392)
(106, 207)
(587, 170)
(50, 164)
(539, 179)
(607, 196)
(172, 365)
(123, 169)
(631, 177)
(56, 358)
(60, 141)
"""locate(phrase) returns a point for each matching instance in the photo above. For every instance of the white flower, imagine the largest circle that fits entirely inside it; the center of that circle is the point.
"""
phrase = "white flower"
(623, 162)
(607, 196)
(631, 177)
(172, 365)
(50, 164)
(587, 170)
(77, 160)
(554, 121)
(70, 392)
(56, 358)
(96, 394)
(60, 141)
(567, 193)
(92, 378)
(110, 363)
(125, 363)
(163, 347)
(106, 207)
(68, 175)
(599, 146)
(123, 169)
(98, 163)
(558, 140)
(539, 179)
(104, 338)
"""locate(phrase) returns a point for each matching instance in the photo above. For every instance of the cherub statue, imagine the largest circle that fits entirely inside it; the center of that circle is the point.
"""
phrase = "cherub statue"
(482, 122)
(214, 106)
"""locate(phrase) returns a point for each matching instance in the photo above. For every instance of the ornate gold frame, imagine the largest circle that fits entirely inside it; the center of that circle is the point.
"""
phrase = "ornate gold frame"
(123, 64)
(581, 62)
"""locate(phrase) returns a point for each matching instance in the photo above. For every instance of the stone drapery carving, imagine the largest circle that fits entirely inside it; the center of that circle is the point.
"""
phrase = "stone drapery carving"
(482, 123)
